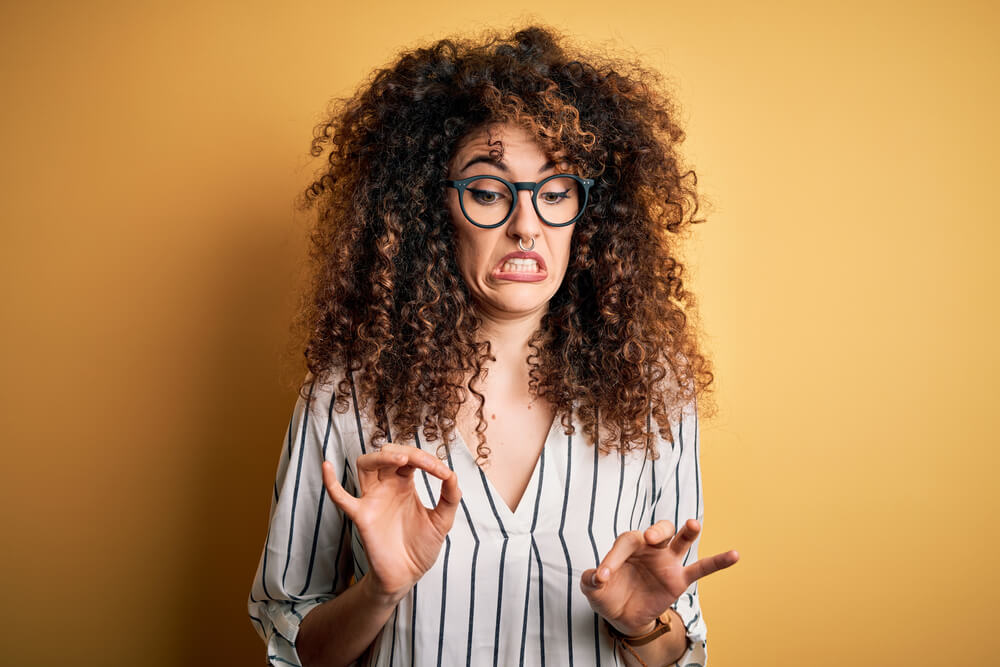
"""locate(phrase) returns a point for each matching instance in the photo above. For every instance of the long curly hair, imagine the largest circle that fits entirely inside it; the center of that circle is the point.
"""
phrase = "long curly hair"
(386, 298)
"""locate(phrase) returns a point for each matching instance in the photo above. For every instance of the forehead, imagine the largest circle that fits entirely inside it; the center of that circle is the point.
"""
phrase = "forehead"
(498, 140)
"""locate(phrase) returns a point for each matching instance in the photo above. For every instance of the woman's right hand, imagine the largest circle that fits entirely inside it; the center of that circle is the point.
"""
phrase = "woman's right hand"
(401, 537)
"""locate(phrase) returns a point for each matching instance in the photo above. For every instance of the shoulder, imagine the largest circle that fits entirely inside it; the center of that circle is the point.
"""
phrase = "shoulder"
(325, 404)
(333, 387)
(679, 438)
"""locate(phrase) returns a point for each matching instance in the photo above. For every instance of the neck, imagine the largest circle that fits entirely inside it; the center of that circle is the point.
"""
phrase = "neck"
(509, 336)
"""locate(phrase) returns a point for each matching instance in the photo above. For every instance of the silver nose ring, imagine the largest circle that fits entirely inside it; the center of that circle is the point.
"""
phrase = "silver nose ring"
(522, 247)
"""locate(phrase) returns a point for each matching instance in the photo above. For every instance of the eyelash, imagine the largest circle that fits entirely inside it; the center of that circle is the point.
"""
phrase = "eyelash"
(561, 195)
(477, 193)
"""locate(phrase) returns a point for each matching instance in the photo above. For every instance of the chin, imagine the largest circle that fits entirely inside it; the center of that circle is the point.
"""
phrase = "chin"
(520, 303)
(514, 297)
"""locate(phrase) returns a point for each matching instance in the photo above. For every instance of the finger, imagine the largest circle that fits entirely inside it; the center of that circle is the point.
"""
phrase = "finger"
(685, 537)
(396, 466)
(405, 471)
(417, 458)
(658, 535)
(391, 457)
(623, 548)
(588, 581)
(443, 514)
(368, 466)
(392, 460)
(347, 503)
(375, 462)
(706, 566)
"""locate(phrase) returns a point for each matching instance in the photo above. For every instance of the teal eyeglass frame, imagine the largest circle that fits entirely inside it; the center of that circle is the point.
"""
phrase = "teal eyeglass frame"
(533, 186)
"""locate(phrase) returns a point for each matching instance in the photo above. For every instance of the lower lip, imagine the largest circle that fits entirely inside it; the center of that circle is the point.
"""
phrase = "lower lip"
(521, 277)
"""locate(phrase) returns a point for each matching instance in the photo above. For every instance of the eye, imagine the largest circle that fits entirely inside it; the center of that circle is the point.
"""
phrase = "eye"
(485, 196)
(554, 197)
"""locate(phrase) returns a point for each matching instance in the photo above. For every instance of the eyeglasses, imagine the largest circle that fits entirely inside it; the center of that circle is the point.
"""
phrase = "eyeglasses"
(489, 201)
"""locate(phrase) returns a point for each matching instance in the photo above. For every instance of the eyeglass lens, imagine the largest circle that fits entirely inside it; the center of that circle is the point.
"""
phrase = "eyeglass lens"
(488, 201)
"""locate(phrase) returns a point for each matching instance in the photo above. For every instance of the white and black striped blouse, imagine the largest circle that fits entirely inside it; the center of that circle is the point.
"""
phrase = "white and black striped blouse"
(505, 588)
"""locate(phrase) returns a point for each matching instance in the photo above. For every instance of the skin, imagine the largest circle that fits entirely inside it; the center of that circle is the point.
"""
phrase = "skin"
(402, 539)
(517, 422)
(478, 251)
(640, 576)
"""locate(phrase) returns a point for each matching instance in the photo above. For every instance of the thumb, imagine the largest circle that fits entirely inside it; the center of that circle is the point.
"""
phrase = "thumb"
(590, 582)
(347, 503)
(443, 514)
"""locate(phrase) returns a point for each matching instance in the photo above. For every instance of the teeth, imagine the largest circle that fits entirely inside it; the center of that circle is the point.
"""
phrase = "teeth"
(520, 265)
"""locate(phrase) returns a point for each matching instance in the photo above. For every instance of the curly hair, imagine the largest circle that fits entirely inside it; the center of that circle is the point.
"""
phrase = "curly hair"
(385, 294)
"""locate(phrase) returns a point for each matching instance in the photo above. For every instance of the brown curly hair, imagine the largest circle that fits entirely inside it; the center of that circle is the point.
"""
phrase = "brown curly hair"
(386, 297)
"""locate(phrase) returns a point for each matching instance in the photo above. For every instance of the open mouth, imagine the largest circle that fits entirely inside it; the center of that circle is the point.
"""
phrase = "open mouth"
(519, 265)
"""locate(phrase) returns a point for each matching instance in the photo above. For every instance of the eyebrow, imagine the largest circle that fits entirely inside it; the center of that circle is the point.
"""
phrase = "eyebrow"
(500, 165)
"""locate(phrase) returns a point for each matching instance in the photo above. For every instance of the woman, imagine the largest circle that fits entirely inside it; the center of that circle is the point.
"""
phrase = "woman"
(497, 436)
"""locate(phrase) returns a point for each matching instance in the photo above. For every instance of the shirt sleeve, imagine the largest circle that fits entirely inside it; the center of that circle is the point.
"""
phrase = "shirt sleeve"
(306, 559)
(682, 494)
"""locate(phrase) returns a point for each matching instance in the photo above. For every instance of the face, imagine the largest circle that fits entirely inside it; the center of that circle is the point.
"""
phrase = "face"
(505, 286)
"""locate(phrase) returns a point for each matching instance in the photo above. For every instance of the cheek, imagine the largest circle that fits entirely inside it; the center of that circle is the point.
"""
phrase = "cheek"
(463, 254)
(471, 249)
(461, 234)
(565, 244)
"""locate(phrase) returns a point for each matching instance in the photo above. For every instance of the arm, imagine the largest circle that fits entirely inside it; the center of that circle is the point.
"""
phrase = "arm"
(647, 572)
(338, 631)
(686, 483)
(641, 575)
(686, 500)
(665, 650)
(306, 559)
(306, 563)
(402, 539)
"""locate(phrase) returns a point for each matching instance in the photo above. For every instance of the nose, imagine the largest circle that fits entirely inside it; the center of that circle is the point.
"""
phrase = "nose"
(524, 222)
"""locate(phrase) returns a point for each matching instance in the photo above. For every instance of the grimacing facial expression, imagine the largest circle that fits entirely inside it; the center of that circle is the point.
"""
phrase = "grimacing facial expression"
(502, 286)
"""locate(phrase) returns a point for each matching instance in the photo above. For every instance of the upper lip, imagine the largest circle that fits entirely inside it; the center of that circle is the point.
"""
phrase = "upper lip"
(523, 255)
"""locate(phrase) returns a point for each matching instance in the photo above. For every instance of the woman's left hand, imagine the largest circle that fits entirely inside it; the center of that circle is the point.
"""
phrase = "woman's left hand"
(643, 574)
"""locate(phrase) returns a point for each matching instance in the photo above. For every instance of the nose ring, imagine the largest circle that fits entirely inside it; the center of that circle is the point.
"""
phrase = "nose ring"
(522, 247)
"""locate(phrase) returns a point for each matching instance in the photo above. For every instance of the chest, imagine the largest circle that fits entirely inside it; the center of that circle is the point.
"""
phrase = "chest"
(516, 432)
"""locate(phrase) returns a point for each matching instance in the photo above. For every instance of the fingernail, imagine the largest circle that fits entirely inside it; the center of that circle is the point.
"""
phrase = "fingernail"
(605, 573)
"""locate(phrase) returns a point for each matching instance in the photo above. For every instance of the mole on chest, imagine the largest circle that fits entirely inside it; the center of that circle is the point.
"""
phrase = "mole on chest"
(515, 438)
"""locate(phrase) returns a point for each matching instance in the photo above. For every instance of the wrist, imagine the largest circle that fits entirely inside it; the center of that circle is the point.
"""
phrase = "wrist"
(627, 630)
(641, 634)
(377, 595)
(665, 644)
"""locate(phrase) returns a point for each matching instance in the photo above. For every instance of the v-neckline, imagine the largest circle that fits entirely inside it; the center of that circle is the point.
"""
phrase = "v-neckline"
(520, 515)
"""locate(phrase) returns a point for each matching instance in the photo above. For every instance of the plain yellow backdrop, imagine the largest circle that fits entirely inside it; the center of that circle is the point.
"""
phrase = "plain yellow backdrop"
(150, 255)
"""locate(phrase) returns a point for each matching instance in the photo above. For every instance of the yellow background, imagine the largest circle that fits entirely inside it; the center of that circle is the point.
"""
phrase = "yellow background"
(149, 262)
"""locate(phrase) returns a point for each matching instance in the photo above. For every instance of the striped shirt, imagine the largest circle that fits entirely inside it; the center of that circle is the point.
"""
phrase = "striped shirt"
(505, 588)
